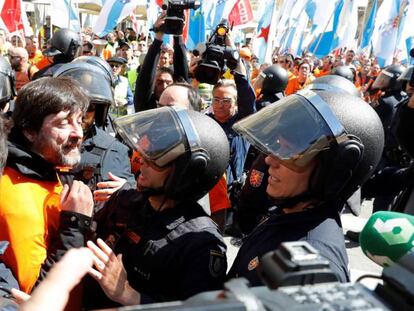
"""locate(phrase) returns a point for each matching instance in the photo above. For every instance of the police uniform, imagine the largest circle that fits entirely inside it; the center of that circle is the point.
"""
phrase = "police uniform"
(254, 201)
(100, 154)
(319, 226)
(168, 255)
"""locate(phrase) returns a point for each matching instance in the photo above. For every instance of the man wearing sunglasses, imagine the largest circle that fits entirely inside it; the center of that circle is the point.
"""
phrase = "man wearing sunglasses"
(124, 99)
(320, 148)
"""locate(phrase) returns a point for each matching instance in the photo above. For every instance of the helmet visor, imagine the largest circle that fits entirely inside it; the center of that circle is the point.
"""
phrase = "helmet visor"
(160, 135)
(407, 74)
(258, 83)
(294, 130)
(94, 82)
(6, 88)
(383, 81)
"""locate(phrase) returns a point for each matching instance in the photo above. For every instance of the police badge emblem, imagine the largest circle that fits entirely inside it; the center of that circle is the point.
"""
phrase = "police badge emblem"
(256, 178)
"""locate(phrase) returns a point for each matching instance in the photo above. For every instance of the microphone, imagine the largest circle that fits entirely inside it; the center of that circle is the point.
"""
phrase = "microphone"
(387, 236)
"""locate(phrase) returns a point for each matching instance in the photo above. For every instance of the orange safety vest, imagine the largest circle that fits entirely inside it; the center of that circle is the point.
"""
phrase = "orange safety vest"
(29, 220)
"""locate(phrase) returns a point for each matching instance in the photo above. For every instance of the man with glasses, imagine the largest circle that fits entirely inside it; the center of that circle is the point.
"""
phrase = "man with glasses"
(232, 101)
(124, 99)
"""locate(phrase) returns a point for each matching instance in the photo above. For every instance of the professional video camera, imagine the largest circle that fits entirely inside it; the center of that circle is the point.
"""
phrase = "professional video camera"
(300, 279)
(215, 56)
(174, 21)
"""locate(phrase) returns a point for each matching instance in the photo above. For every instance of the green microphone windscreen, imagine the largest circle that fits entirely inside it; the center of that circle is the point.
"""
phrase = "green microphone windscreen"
(387, 236)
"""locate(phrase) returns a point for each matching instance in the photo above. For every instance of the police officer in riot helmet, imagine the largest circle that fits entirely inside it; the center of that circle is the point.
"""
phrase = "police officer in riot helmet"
(334, 83)
(344, 71)
(320, 147)
(105, 165)
(405, 78)
(7, 84)
(65, 46)
(386, 106)
(272, 83)
(253, 202)
(170, 248)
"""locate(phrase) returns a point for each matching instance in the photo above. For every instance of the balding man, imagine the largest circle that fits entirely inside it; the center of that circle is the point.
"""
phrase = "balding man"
(19, 60)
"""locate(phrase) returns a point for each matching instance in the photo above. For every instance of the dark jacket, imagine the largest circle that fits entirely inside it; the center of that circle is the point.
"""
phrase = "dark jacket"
(238, 145)
(144, 98)
(168, 255)
(100, 154)
(320, 227)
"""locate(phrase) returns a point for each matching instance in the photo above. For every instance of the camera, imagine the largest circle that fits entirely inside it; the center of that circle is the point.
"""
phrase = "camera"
(174, 21)
(216, 57)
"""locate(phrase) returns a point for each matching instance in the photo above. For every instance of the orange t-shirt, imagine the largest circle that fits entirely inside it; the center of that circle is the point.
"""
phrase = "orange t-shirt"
(29, 220)
(293, 85)
(43, 62)
(321, 73)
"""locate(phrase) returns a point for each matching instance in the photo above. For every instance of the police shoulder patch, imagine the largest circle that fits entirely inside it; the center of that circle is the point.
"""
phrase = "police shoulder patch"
(217, 264)
(256, 178)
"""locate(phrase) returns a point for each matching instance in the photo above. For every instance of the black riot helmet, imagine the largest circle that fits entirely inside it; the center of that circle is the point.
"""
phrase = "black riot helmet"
(99, 63)
(388, 79)
(344, 71)
(194, 143)
(333, 83)
(407, 74)
(272, 80)
(342, 134)
(7, 82)
(96, 85)
(65, 42)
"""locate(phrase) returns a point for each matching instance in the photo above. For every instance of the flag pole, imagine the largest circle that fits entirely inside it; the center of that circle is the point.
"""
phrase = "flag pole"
(271, 35)
(324, 30)
(295, 22)
(400, 15)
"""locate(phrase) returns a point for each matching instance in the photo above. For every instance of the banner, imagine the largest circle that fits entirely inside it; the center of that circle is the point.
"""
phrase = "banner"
(11, 16)
(385, 35)
(265, 15)
(64, 15)
(112, 13)
(241, 13)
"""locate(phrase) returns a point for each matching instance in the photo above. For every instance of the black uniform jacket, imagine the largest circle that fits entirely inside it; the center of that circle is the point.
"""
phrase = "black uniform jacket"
(320, 227)
(168, 255)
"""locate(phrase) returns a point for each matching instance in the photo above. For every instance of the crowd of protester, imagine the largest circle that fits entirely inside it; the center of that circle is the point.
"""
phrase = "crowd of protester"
(72, 108)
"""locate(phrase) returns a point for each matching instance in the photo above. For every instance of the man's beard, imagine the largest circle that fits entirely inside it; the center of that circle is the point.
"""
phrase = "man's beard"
(69, 160)
(59, 155)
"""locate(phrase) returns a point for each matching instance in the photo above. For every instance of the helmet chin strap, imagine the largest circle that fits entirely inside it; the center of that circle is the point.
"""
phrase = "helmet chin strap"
(292, 201)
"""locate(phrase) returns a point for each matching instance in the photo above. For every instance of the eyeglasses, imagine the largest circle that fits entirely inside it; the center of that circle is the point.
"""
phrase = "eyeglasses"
(115, 65)
(226, 101)
(86, 52)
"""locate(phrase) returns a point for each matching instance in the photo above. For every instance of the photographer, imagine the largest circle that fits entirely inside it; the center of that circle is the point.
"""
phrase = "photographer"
(232, 101)
(152, 80)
